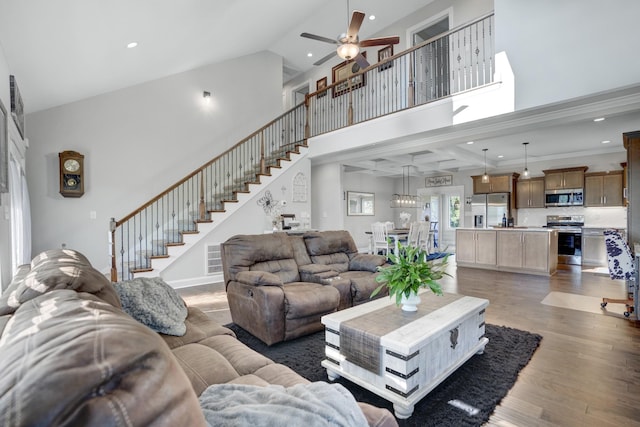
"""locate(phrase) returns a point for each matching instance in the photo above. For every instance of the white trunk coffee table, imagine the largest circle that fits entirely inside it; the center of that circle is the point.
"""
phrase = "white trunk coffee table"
(402, 356)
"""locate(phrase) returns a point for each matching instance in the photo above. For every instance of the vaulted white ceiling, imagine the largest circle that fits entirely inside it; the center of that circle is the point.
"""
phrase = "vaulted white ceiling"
(66, 50)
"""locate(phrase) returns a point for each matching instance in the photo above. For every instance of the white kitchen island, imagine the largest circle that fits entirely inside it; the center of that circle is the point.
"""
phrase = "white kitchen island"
(514, 249)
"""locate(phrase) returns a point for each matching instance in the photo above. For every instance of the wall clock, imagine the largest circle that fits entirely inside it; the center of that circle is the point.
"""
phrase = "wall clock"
(71, 174)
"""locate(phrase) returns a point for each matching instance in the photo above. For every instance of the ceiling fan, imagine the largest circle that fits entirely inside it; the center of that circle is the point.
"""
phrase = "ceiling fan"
(349, 44)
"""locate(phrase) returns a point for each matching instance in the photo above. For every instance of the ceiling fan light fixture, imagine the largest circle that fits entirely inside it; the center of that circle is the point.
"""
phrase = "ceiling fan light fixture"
(348, 51)
(485, 176)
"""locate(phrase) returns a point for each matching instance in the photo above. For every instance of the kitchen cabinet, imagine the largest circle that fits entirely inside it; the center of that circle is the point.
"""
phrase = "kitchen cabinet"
(559, 179)
(476, 247)
(530, 193)
(594, 251)
(603, 189)
(524, 250)
(496, 184)
(532, 251)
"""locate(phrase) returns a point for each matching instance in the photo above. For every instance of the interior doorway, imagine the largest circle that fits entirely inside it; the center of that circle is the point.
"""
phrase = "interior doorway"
(298, 94)
(445, 206)
(432, 60)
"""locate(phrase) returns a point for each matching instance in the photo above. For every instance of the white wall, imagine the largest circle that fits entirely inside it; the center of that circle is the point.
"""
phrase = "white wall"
(382, 188)
(138, 141)
(565, 49)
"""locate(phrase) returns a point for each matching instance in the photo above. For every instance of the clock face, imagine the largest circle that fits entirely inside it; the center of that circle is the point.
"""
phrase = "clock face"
(71, 165)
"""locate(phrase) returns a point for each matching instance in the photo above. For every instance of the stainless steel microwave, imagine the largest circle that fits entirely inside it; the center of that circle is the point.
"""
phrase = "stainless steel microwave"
(564, 197)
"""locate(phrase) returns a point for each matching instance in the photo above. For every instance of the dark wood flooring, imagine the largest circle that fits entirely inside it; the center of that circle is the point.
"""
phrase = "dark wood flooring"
(586, 371)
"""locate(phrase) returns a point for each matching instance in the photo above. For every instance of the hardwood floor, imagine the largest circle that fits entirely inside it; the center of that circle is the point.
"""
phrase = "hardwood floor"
(586, 371)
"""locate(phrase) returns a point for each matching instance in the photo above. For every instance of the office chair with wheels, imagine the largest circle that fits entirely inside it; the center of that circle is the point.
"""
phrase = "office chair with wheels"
(621, 266)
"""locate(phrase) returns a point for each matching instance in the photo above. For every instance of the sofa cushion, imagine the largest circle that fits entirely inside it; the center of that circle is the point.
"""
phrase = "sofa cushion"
(267, 252)
(338, 261)
(304, 299)
(199, 327)
(153, 303)
(204, 366)
(258, 278)
(285, 269)
(243, 359)
(329, 242)
(70, 358)
(56, 269)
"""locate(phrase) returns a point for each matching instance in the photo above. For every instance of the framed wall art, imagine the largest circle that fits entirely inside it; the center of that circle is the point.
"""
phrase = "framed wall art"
(359, 203)
(345, 71)
(17, 107)
(4, 150)
(384, 53)
(320, 85)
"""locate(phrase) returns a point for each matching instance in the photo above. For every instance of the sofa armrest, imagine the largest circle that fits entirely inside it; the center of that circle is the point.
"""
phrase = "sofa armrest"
(258, 278)
(366, 262)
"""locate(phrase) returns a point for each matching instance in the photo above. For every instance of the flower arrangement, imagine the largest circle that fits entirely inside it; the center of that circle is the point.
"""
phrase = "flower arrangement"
(405, 217)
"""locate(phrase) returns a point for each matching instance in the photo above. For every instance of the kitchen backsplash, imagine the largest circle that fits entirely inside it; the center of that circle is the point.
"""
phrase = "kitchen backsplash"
(614, 217)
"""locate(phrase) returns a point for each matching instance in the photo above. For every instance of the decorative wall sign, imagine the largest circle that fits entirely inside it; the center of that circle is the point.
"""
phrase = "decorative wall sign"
(438, 181)
(299, 188)
(17, 107)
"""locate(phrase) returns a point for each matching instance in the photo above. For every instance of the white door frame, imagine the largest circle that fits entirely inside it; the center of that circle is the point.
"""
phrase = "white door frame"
(446, 235)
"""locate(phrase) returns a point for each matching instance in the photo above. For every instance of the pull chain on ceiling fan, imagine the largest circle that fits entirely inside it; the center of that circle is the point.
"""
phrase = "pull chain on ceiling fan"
(349, 43)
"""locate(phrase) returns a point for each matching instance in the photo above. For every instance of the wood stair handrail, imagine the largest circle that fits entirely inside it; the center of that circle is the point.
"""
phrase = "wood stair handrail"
(201, 168)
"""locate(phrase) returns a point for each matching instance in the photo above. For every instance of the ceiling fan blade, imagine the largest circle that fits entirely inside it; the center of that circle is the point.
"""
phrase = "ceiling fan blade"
(318, 38)
(354, 26)
(380, 41)
(361, 61)
(324, 59)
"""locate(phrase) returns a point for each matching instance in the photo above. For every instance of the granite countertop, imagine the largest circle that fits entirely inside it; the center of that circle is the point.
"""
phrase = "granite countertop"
(516, 228)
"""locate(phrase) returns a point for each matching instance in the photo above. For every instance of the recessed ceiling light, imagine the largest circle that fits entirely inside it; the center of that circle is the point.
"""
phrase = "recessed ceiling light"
(599, 119)
(470, 142)
(606, 142)
(500, 156)
(309, 54)
(372, 17)
(132, 45)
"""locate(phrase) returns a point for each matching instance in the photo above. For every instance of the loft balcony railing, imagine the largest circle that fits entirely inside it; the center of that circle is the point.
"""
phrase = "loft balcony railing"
(457, 61)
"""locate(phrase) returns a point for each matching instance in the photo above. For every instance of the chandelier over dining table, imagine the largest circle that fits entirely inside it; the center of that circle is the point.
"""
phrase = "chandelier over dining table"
(404, 199)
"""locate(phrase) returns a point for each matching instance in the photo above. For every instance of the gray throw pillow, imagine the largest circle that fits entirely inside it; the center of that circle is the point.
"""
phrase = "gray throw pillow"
(152, 302)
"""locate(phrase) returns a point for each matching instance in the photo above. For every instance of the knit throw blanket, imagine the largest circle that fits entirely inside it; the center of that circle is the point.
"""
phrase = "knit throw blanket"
(317, 404)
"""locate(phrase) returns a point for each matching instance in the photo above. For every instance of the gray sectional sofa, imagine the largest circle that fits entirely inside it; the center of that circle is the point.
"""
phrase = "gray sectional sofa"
(71, 356)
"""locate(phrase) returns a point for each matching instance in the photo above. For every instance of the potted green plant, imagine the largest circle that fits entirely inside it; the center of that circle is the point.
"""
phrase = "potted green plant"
(410, 270)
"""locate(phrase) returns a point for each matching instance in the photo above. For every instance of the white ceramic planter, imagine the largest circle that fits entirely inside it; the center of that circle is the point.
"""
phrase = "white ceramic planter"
(411, 302)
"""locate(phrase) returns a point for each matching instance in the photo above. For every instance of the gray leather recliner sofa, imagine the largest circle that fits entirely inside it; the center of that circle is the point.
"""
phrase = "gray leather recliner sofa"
(279, 285)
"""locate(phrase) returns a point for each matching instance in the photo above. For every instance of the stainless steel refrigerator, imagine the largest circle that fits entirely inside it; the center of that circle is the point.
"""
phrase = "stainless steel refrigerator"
(488, 209)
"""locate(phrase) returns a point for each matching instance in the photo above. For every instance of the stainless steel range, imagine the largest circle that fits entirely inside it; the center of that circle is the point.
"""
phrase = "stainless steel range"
(569, 237)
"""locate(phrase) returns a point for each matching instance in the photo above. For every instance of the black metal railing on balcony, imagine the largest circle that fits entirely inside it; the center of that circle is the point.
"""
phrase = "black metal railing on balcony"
(459, 60)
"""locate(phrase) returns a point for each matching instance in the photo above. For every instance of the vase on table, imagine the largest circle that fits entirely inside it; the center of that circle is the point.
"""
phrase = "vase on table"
(410, 303)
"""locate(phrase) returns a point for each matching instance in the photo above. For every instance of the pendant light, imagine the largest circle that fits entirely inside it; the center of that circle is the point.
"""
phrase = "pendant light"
(404, 200)
(485, 176)
(525, 172)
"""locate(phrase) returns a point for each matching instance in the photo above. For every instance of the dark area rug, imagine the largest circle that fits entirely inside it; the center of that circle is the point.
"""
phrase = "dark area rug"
(480, 383)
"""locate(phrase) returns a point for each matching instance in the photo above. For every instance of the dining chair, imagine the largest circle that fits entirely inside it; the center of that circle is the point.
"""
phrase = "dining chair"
(425, 236)
(434, 228)
(380, 238)
(621, 266)
(413, 238)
